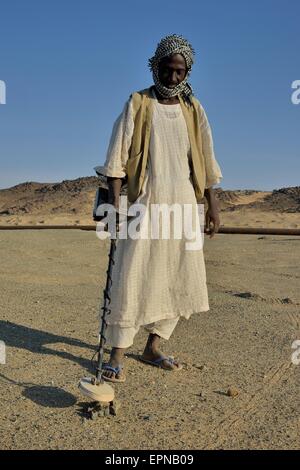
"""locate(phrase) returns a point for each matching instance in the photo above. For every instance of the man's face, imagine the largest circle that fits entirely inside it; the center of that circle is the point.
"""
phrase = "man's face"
(172, 70)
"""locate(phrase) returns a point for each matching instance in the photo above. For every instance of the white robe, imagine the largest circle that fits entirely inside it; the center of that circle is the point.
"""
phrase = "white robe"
(156, 279)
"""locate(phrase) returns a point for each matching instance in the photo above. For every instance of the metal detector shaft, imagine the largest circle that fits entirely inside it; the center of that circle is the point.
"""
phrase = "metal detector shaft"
(105, 308)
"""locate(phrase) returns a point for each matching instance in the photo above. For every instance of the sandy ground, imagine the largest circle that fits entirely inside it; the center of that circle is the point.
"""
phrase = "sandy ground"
(239, 218)
(254, 218)
(51, 285)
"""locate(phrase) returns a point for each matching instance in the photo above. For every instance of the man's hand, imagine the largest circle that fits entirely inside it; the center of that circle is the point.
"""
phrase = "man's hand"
(212, 219)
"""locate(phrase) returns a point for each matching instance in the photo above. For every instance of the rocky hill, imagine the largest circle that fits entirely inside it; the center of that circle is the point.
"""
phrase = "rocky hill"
(71, 201)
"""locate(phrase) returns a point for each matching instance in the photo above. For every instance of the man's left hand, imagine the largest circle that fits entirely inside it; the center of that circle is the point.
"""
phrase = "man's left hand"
(212, 220)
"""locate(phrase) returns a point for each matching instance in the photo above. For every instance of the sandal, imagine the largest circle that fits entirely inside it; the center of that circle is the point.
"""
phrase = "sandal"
(116, 370)
(159, 362)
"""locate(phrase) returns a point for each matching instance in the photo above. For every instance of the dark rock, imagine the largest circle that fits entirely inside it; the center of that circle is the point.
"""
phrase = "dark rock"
(114, 407)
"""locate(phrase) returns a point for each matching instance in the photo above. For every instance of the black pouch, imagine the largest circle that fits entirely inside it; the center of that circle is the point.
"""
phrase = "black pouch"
(102, 197)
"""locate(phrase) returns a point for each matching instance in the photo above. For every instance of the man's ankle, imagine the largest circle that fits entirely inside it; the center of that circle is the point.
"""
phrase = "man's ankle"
(152, 343)
(117, 354)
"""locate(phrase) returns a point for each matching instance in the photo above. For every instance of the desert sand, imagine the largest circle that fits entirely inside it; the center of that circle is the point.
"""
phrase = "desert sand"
(51, 286)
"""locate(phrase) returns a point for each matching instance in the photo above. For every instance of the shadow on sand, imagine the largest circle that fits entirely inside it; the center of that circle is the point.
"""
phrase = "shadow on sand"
(37, 342)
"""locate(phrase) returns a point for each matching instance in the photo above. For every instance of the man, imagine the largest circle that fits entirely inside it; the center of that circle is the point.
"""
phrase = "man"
(162, 145)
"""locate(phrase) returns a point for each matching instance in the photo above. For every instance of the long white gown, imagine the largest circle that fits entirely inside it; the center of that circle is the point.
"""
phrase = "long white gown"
(155, 279)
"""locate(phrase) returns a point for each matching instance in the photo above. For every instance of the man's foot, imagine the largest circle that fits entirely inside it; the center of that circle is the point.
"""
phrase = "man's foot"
(115, 361)
(153, 355)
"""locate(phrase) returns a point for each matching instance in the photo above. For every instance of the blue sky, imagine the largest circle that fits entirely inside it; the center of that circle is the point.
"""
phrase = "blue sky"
(70, 65)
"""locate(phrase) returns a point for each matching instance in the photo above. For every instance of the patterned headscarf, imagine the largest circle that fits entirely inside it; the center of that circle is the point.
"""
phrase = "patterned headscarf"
(170, 45)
